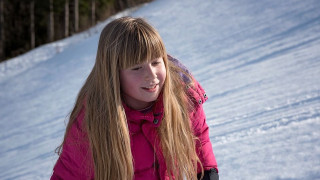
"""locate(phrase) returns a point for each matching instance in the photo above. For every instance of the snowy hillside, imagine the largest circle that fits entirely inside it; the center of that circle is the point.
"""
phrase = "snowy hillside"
(259, 62)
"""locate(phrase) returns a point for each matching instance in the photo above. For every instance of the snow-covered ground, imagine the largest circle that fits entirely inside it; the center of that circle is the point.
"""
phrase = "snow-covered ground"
(259, 62)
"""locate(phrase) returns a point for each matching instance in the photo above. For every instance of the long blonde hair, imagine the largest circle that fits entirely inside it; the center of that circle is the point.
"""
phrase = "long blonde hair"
(123, 43)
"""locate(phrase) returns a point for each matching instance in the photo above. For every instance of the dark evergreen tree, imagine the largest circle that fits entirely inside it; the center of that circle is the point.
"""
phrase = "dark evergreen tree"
(32, 32)
(51, 21)
(2, 50)
(66, 18)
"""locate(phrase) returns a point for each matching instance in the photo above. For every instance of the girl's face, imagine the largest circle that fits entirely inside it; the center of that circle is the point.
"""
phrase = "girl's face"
(142, 83)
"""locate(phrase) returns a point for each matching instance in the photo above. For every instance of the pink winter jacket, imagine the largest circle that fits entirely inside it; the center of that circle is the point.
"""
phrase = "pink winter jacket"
(75, 161)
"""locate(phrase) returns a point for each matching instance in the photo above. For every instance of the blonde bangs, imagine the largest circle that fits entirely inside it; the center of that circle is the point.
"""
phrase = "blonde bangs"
(140, 44)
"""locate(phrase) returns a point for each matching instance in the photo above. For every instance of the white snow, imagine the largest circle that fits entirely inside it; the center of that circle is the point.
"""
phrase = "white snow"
(259, 62)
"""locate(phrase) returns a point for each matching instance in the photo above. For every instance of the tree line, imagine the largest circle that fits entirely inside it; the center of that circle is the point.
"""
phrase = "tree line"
(26, 24)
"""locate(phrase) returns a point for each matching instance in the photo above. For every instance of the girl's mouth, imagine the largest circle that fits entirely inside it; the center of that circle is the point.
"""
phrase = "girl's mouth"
(152, 88)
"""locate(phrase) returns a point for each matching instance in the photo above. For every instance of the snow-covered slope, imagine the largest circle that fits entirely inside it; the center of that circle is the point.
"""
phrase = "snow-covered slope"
(259, 62)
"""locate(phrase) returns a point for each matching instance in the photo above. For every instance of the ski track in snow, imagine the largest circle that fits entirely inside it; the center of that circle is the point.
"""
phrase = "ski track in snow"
(259, 63)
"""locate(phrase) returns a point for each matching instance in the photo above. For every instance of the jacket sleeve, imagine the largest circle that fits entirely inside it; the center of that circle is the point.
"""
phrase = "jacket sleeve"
(74, 162)
(200, 127)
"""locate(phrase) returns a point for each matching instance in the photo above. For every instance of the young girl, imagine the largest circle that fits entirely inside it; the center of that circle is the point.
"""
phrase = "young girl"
(139, 114)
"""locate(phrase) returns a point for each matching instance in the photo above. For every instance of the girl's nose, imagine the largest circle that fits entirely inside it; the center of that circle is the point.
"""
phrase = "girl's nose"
(150, 73)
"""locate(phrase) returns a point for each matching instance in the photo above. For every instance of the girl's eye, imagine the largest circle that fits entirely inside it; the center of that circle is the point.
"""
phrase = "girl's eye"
(136, 68)
(156, 63)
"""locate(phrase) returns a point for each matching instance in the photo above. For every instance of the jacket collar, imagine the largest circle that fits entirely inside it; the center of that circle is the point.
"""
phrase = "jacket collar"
(152, 116)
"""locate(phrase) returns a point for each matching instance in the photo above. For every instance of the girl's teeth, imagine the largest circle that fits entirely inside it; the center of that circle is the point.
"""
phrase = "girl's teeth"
(151, 87)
